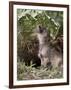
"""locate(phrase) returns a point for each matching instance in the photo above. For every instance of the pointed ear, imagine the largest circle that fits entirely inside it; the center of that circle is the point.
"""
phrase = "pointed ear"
(40, 26)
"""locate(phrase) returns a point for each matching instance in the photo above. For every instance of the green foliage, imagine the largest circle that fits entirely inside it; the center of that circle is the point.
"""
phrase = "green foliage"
(28, 19)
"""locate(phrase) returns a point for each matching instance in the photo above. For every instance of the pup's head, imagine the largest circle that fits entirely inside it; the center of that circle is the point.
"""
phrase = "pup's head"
(40, 32)
(40, 29)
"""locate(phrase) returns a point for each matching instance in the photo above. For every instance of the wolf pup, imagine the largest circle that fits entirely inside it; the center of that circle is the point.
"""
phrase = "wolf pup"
(47, 54)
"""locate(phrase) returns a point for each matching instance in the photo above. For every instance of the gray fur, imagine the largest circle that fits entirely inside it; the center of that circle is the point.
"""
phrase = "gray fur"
(47, 53)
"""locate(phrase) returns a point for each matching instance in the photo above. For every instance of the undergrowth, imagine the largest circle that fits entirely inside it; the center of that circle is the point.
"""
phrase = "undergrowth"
(31, 73)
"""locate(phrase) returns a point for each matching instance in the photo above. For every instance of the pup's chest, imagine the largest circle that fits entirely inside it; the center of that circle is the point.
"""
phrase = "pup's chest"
(44, 49)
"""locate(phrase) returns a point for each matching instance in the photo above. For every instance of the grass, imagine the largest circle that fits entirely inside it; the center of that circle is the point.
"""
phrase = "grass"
(31, 73)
